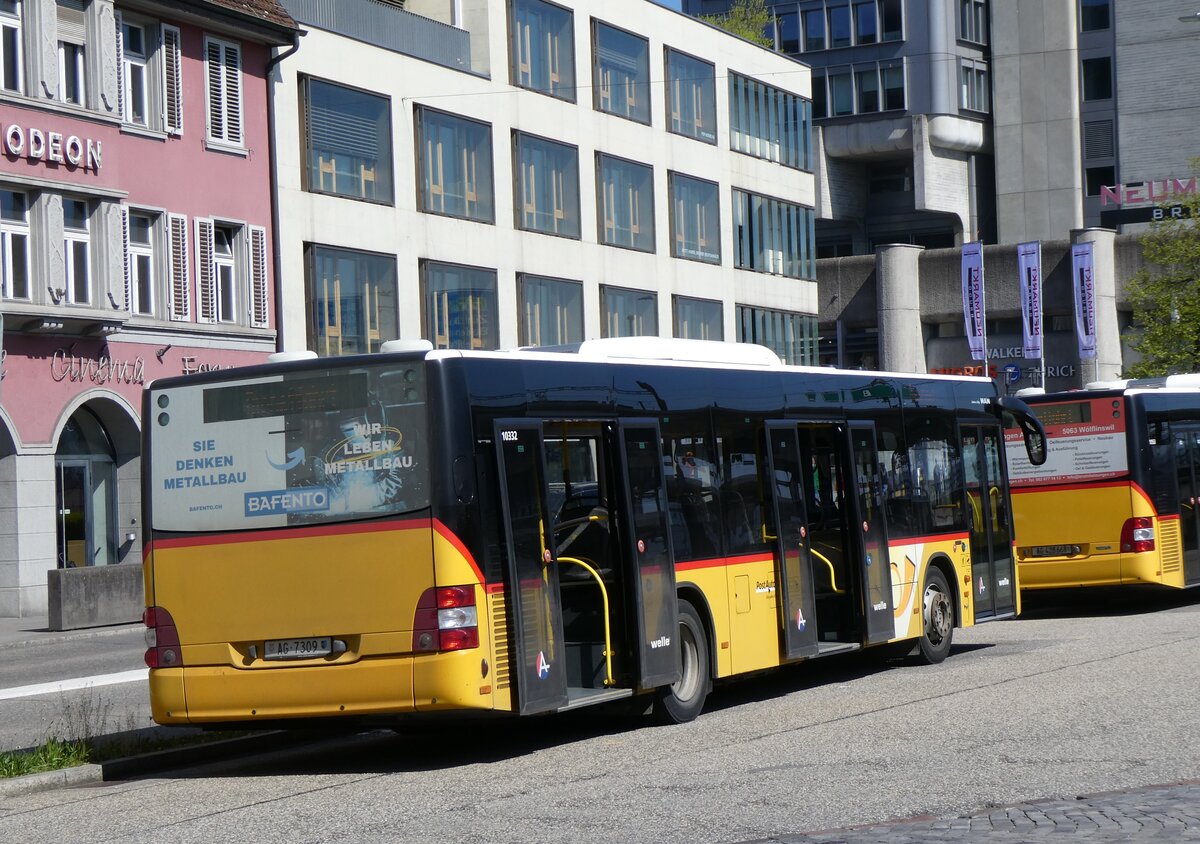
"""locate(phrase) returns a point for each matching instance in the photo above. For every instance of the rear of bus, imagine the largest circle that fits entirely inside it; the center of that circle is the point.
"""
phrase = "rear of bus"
(294, 569)
(1080, 518)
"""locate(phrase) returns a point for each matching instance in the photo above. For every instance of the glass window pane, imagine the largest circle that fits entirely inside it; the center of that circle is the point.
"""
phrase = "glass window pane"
(893, 88)
(691, 97)
(461, 310)
(12, 205)
(75, 214)
(543, 48)
(867, 82)
(349, 136)
(140, 227)
(820, 107)
(551, 311)
(839, 26)
(698, 319)
(353, 301)
(893, 19)
(866, 24)
(81, 293)
(841, 94)
(695, 219)
(18, 259)
(769, 236)
(144, 283)
(548, 187)
(629, 313)
(456, 166)
(814, 30)
(10, 42)
(626, 204)
(1093, 15)
(1097, 78)
(790, 335)
(788, 24)
(622, 73)
(137, 93)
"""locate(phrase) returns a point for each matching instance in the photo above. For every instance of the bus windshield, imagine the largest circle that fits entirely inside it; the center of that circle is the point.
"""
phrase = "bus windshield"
(308, 447)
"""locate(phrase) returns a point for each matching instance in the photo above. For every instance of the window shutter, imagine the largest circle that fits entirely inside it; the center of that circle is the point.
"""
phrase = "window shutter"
(119, 49)
(216, 91)
(181, 299)
(233, 94)
(206, 288)
(72, 21)
(172, 80)
(260, 300)
(125, 263)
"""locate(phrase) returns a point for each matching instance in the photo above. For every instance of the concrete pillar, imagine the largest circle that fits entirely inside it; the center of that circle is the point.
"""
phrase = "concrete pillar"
(1108, 364)
(901, 341)
(28, 545)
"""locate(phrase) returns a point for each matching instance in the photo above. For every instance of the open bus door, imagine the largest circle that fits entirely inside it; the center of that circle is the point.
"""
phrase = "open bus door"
(535, 610)
(1187, 468)
(989, 518)
(648, 545)
(872, 542)
(793, 560)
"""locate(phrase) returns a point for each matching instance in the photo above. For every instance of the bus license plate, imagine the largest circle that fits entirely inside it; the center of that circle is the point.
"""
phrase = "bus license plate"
(297, 648)
(1052, 550)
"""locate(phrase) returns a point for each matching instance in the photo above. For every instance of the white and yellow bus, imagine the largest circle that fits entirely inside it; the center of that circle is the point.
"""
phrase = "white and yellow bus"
(534, 531)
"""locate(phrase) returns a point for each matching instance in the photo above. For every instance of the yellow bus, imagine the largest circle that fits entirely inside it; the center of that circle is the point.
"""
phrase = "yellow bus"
(539, 530)
(1115, 502)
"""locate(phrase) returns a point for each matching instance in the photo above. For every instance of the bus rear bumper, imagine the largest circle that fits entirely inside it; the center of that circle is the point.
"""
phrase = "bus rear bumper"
(396, 685)
(1094, 570)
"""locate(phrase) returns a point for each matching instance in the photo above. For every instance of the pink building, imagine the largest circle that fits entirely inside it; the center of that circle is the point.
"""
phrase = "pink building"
(135, 243)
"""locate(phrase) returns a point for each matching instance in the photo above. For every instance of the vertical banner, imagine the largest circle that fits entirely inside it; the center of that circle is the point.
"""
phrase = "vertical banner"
(972, 290)
(1029, 265)
(1085, 299)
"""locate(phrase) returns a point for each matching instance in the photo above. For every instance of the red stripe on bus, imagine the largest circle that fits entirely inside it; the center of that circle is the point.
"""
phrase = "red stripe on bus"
(720, 562)
(288, 533)
(450, 537)
(933, 537)
(1025, 490)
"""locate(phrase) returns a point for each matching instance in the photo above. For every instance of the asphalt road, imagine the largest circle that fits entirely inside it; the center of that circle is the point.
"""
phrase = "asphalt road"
(1066, 701)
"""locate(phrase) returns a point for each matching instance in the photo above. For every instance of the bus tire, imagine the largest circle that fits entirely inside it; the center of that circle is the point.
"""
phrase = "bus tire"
(682, 702)
(938, 617)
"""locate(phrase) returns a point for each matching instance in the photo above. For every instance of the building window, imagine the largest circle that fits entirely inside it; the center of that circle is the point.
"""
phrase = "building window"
(820, 97)
(626, 198)
(892, 15)
(543, 48)
(1097, 79)
(1099, 177)
(134, 59)
(10, 45)
(547, 186)
(787, 31)
(1093, 15)
(973, 21)
(455, 161)
(790, 335)
(839, 26)
(348, 141)
(629, 313)
(14, 243)
(72, 36)
(769, 122)
(695, 219)
(974, 88)
(691, 97)
(141, 267)
(353, 296)
(773, 236)
(223, 70)
(698, 319)
(621, 83)
(866, 83)
(461, 310)
(841, 94)
(814, 30)
(866, 23)
(76, 248)
(150, 90)
(231, 273)
(551, 311)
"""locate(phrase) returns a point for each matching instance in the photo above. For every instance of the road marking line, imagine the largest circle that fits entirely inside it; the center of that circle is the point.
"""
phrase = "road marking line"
(78, 683)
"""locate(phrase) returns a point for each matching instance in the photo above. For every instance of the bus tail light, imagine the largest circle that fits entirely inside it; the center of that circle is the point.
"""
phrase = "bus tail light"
(1137, 535)
(446, 620)
(162, 639)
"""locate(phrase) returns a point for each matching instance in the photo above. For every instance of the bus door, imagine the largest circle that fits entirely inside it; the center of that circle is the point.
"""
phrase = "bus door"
(989, 520)
(793, 562)
(1187, 468)
(872, 536)
(648, 545)
(535, 610)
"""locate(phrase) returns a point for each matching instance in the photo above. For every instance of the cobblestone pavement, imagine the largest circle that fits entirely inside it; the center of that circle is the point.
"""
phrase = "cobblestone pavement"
(1156, 813)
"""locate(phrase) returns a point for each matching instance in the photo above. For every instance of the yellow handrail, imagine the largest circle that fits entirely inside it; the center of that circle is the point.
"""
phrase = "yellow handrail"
(832, 574)
(608, 679)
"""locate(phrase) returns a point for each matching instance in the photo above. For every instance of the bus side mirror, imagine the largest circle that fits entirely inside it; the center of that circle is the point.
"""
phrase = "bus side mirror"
(1014, 413)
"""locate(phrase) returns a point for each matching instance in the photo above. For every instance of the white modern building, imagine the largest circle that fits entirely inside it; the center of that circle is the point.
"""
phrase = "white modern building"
(488, 175)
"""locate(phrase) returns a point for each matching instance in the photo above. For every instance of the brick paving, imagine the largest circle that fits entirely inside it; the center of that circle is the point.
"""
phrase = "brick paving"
(1156, 813)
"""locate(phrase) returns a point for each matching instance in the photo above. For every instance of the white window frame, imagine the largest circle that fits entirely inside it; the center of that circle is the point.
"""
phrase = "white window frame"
(13, 22)
(73, 237)
(973, 21)
(76, 69)
(223, 94)
(9, 228)
(148, 251)
(225, 276)
(974, 87)
(130, 60)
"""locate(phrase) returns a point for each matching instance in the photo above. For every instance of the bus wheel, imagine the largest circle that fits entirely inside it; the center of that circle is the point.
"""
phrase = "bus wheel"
(681, 702)
(939, 619)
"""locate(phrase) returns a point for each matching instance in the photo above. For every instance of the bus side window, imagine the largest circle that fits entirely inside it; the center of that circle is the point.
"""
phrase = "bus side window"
(692, 477)
(741, 492)
(937, 486)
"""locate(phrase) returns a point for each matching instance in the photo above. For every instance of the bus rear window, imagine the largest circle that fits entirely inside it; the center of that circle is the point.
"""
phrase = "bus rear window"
(334, 444)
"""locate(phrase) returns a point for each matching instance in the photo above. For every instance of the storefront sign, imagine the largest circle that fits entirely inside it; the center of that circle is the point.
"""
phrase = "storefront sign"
(53, 147)
(190, 365)
(1150, 192)
(102, 370)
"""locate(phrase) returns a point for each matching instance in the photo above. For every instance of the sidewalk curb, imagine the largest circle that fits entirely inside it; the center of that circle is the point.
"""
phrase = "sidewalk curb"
(58, 637)
(47, 780)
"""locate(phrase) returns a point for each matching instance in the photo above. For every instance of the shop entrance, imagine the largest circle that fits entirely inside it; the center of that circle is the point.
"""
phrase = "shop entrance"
(85, 493)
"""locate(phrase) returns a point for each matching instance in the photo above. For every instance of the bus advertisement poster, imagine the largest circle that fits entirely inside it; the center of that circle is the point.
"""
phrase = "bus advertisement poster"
(1085, 443)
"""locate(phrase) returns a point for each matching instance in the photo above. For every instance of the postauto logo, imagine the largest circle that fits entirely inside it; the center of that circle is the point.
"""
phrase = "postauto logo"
(280, 501)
